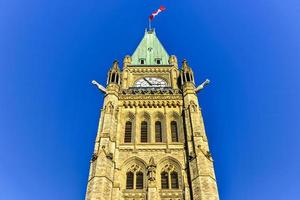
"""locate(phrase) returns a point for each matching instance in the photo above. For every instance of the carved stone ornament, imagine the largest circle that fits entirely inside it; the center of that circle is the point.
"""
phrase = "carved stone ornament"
(94, 157)
(192, 156)
(151, 90)
(168, 168)
(108, 155)
(193, 106)
(151, 170)
(134, 168)
(205, 152)
(150, 104)
(109, 107)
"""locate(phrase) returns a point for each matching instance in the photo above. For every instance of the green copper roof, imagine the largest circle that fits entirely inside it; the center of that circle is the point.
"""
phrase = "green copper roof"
(150, 50)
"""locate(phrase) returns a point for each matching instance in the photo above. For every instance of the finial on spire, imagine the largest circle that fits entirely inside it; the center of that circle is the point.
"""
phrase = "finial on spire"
(127, 60)
(115, 65)
(173, 60)
(185, 64)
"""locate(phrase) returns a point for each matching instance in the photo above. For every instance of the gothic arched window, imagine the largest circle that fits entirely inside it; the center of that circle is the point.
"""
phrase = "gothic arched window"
(117, 78)
(169, 180)
(188, 78)
(144, 131)
(174, 131)
(139, 180)
(158, 132)
(164, 176)
(129, 180)
(174, 180)
(113, 77)
(128, 132)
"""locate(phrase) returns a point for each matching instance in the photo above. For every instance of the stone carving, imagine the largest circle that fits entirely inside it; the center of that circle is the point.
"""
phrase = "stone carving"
(202, 85)
(100, 87)
(109, 107)
(193, 106)
(151, 170)
(151, 90)
(173, 60)
(205, 152)
(152, 97)
(94, 157)
(134, 168)
(168, 168)
(108, 155)
(192, 156)
(150, 104)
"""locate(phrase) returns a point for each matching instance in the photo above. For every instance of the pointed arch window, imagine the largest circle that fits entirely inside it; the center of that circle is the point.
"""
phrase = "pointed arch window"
(117, 78)
(139, 180)
(128, 132)
(158, 132)
(129, 180)
(169, 180)
(188, 78)
(144, 131)
(174, 131)
(174, 180)
(113, 77)
(164, 180)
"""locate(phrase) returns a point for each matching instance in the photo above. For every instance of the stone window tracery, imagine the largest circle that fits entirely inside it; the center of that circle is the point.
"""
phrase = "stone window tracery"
(135, 178)
(169, 177)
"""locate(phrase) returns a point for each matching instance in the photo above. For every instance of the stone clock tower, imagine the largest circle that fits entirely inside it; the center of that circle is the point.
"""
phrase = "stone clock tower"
(151, 142)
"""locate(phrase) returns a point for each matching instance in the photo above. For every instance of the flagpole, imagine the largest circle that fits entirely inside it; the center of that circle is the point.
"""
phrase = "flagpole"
(149, 24)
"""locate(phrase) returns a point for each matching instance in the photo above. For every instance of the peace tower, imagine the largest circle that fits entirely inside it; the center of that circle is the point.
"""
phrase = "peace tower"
(151, 142)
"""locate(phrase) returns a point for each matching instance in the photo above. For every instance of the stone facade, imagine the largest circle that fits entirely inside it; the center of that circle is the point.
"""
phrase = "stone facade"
(151, 142)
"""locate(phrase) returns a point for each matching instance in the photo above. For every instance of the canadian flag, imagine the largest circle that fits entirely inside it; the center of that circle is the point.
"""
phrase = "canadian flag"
(161, 8)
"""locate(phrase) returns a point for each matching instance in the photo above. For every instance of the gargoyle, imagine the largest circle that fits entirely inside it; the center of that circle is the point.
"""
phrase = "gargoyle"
(100, 87)
(202, 85)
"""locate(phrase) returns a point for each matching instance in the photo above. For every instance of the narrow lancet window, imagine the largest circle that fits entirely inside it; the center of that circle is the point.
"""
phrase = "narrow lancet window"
(139, 180)
(129, 180)
(174, 131)
(128, 132)
(174, 180)
(164, 180)
(144, 131)
(158, 132)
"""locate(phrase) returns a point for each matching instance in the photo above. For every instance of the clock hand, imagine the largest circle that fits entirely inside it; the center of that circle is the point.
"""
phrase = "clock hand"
(148, 81)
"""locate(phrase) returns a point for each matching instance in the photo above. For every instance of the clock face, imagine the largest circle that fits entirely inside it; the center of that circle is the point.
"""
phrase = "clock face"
(150, 82)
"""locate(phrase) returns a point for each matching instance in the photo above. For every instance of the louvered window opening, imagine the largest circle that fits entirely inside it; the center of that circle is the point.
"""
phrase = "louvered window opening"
(129, 180)
(144, 130)
(139, 180)
(164, 180)
(158, 132)
(174, 131)
(128, 132)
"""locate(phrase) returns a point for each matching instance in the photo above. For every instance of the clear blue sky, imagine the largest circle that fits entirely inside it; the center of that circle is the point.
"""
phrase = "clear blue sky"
(50, 50)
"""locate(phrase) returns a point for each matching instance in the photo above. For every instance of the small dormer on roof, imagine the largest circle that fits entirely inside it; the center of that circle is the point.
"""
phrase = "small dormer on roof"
(150, 51)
